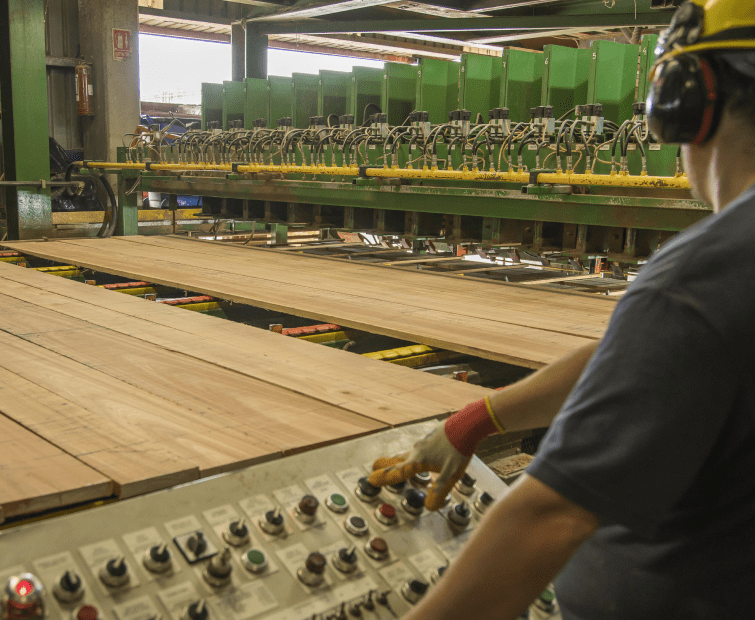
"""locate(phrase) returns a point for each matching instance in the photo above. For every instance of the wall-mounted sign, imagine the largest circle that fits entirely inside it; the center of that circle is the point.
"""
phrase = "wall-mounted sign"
(121, 44)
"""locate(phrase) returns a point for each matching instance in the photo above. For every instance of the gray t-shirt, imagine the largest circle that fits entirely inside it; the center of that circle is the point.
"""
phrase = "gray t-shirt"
(658, 438)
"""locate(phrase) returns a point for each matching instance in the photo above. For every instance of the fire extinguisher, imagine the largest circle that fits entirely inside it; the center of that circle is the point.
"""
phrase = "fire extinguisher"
(84, 90)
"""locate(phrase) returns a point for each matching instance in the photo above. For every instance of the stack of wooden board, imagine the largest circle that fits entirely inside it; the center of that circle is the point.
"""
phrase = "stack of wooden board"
(103, 393)
(508, 323)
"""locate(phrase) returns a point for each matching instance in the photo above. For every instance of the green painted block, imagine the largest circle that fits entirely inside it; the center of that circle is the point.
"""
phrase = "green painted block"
(334, 93)
(212, 104)
(647, 59)
(437, 88)
(613, 78)
(281, 98)
(566, 75)
(366, 88)
(306, 94)
(521, 82)
(233, 103)
(480, 84)
(255, 102)
(399, 96)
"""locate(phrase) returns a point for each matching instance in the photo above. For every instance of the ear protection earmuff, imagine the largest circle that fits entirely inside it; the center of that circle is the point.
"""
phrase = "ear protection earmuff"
(683, 104)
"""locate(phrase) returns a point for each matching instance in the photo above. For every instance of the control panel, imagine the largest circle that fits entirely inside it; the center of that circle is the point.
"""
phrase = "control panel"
(305, 537)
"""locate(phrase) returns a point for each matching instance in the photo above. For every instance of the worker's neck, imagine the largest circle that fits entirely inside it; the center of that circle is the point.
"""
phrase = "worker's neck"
(731, 170)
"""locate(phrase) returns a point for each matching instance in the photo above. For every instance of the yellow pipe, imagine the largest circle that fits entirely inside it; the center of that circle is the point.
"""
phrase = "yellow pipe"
(556, 178)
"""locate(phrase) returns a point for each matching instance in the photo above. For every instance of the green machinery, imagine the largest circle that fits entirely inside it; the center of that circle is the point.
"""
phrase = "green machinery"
(545, 150)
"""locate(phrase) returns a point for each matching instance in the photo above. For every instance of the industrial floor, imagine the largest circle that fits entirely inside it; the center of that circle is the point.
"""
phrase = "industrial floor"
(106, 394)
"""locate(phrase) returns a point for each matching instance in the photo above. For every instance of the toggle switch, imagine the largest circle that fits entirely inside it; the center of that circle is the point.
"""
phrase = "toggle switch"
(218, 570)
(255, 561)
(483, 502)
(237, 534)
(337, 503)
(377, 548)
(356, 526)
(68, 587)
(306, 511)
(438, 573)
(345, 559)
(413, 502)
(115, 573)
(196, 611)
(386, 514)
(23, 598)
(158, 559)
(312, 573)
(466, 484)
(272, 522)
(414, 589)
(460, 515)
(365, 491)
(197, 543)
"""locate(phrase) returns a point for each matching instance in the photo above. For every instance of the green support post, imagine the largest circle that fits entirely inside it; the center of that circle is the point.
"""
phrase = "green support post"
(233, 103)
(521, 82)
(399, 96)
(334, 92)
(613, 78)
(647, 60)
(23, 92)
(255, 101)
(306, 91)
(565, 77)
(479, 83)
(281, 98)
(212, 104)
(127, 222)
(437, 88)
(366, 89)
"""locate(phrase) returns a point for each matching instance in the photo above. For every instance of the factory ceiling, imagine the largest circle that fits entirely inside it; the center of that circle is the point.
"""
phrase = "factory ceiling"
(402, 30)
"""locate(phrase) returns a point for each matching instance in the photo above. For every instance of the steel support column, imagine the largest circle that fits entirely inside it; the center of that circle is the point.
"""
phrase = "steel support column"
(23, 90)
(256, 54)
(238, 53)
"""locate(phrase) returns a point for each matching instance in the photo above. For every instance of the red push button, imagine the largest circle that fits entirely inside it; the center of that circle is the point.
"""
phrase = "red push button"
(87, 612)
(388, 511)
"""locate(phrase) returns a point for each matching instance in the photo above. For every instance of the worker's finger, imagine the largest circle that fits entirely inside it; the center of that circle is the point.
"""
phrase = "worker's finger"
(450, 475)
(389, 461)
(397, 473)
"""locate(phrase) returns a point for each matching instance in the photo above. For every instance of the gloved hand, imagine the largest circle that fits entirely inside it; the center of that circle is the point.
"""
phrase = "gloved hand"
(446, 450)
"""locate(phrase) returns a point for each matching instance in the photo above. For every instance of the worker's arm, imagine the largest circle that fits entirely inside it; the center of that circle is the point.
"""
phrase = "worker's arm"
(530, 403)
(534, 401)
(516, 551)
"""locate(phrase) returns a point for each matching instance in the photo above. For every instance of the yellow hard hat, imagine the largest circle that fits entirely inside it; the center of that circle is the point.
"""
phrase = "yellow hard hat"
(709, 25)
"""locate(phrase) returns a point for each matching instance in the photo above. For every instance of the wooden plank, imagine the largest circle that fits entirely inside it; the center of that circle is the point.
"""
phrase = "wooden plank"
(370, 388)
(98, 435)
(362, 303)
(35, 475)
(565, 279)
(226, 421)
(524, 306)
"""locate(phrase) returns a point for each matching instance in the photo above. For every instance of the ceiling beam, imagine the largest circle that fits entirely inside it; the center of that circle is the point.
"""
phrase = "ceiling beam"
(488, 6)
(432, 9)
(476, 46)
(177, 16)
(307, 9)
(608, 19)
(527, 34)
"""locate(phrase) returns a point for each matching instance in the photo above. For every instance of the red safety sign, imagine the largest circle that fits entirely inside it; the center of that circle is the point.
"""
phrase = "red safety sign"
(121, 44)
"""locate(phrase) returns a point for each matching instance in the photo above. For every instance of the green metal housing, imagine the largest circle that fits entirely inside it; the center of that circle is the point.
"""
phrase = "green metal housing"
(521, 82)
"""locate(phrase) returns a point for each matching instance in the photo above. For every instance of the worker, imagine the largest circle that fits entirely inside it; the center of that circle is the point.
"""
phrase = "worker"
(640, 503)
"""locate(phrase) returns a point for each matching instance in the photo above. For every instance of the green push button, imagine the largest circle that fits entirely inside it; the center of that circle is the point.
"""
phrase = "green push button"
(254, 561)
(337, 502)
(256, 557)
(547, 597)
